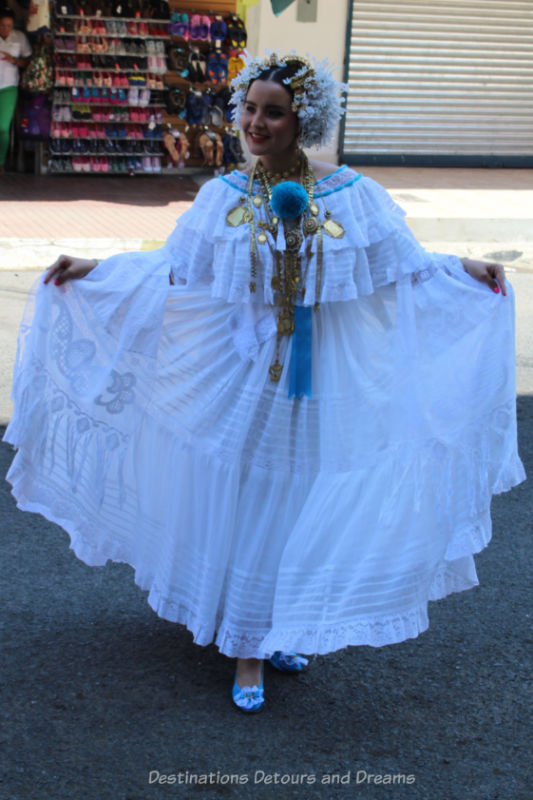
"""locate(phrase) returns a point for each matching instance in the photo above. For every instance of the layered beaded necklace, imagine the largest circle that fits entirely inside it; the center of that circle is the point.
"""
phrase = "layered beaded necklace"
(288, 281)
(290, 215)
(274, 177)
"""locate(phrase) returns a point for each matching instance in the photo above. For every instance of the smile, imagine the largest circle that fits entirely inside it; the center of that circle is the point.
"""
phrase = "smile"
(256, 137)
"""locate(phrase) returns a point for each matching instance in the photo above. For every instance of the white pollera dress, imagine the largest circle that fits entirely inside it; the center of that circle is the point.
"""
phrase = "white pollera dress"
(147, 426)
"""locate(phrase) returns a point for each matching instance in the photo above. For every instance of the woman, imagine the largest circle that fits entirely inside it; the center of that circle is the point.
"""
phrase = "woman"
(295, 440)
(15, 52)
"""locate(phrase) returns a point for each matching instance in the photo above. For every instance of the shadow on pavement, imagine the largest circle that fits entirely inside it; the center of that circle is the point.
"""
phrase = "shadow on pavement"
(141, 190)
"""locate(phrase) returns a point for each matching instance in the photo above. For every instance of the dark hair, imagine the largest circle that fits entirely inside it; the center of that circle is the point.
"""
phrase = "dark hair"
(278, 74)
(7, 13)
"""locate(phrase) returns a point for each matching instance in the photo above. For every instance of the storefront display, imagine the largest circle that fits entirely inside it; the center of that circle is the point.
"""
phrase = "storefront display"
(204, 55)
(142, 87)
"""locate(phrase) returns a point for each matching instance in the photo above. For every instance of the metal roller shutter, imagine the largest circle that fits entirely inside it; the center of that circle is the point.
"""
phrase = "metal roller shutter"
(440, 81)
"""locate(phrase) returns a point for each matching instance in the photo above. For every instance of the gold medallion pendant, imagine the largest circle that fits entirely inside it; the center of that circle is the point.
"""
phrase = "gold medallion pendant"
(235, 216)
(333, 228)
(285, 323)
(257, 201)
(275, 371)
(293, 240)
(262, 238)
(310, 225)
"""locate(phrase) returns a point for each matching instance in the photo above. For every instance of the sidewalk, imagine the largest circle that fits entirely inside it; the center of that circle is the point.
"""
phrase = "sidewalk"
(472, 212)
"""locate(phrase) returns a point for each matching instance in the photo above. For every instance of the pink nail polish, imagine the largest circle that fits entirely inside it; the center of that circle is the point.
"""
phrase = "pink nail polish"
(56, 283)
(496, 289)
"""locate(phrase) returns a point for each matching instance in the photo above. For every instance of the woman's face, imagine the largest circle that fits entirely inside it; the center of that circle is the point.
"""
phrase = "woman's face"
(267, 122)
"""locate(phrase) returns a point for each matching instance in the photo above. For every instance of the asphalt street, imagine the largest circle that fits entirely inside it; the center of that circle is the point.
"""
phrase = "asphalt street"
(103, 700)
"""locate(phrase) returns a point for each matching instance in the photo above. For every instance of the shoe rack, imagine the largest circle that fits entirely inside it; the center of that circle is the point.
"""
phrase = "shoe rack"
(209, 141)
(109, 93)
(124, 87)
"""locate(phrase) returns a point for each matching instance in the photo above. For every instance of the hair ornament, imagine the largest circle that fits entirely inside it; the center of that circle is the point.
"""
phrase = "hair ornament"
(317, 95)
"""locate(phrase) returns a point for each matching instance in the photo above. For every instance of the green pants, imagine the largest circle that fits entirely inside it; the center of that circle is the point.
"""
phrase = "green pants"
(8, 101)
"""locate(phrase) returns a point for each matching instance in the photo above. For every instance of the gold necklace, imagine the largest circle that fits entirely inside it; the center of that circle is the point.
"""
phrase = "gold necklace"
(274, 177)
(288, 281)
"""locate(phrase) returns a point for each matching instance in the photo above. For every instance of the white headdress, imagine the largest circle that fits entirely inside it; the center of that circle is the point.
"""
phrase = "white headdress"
(317, 94)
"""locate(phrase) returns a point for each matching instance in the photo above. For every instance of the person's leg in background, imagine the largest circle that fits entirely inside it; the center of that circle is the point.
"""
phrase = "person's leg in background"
(8, 101)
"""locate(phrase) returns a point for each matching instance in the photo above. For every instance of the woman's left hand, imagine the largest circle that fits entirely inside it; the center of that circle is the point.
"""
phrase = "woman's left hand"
(487, 272)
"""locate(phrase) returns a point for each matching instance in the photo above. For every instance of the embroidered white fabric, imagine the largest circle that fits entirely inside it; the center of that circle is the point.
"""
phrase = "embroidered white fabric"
(377, 247)
(147, 426)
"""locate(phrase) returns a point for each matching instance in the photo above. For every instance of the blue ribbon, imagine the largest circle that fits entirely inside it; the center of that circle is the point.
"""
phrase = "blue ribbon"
(300, 369)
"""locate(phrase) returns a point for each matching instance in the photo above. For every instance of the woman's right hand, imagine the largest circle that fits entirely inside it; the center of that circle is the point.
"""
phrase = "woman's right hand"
(68, 268)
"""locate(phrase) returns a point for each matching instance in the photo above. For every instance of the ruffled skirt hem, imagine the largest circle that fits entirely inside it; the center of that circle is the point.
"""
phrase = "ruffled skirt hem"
(455, 573)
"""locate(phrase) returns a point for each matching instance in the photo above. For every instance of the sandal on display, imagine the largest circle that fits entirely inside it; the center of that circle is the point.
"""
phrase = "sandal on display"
(233, 153)
(144, 97)
(242, 36)
(202, 67)
(218, 30)
(235, 65)
(197, 107)
(216, 115)
(206, 143)
(217, 67)
(219, 150)
(176, 101)
(236, 149)
(180, 25)
(193, 67)
(195, 27)
(161, 66)
(222, 100)
(179, 60)
(185, 147)
(205, 29)
(237, 36)
(170, 145)
(197, 66)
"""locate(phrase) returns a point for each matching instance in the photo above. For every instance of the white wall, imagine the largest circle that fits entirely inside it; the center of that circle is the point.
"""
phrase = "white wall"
(325, 38)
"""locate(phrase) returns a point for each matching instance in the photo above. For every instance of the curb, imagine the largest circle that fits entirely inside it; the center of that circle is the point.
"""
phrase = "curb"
(31, 254)
(492, 240)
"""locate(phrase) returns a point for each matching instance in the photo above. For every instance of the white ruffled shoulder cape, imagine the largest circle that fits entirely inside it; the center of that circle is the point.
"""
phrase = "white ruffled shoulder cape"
(377, 247)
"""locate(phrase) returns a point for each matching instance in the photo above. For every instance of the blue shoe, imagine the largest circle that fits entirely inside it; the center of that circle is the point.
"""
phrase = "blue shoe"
(288, 662)
(249, 698)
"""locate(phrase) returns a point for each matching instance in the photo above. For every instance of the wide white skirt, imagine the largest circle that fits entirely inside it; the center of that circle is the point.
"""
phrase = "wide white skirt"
(260, 522)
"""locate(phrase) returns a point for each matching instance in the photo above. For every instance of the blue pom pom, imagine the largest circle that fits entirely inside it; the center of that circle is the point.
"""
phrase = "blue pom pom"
(289, 200)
